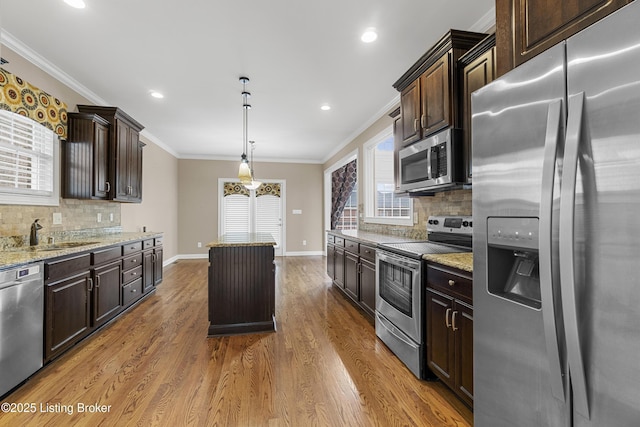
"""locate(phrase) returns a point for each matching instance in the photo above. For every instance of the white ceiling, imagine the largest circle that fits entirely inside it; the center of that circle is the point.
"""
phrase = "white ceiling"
(298, 54)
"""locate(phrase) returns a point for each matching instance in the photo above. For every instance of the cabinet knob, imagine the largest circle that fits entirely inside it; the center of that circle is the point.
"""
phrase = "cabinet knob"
(452, 282)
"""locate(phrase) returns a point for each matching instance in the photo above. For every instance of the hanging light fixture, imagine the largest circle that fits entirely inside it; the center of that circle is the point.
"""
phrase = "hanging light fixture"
(244, 173)
(253, 185)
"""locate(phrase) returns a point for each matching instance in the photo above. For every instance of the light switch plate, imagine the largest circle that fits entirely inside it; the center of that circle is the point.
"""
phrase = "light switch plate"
(57, 218)
(297, 212)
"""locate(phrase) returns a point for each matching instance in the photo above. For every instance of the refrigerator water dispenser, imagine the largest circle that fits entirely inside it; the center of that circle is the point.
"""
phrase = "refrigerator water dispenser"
(512, 254)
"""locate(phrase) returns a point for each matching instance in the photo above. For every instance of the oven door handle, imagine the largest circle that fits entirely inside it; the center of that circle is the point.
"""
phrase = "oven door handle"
(395, 260)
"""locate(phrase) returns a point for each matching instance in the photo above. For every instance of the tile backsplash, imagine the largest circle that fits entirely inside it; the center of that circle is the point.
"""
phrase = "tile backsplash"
(16, 220)
(456, 202)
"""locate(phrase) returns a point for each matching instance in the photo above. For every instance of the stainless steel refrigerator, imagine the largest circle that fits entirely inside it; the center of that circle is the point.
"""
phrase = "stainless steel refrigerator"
(556, 211)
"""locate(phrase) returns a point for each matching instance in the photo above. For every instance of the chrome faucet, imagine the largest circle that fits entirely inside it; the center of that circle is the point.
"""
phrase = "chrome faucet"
(33, 238)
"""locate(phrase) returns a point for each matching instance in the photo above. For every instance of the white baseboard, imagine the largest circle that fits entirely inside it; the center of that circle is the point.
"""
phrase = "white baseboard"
(305, 253)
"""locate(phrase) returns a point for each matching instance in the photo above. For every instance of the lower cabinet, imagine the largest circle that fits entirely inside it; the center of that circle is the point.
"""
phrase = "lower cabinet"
(86, 290)
(107, 300)
(351, 266)
(449, 326)
(67, 312)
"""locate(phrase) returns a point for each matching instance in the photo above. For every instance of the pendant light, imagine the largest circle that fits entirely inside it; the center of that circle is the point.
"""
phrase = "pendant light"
(244, 172)
(254, 184)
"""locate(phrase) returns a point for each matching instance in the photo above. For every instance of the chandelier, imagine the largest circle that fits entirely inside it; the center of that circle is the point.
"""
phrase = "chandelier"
(244, 173)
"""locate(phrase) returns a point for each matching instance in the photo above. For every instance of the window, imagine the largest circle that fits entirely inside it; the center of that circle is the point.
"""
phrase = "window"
(382, 205)
(252, 211)
(349, 218)
(29, 170)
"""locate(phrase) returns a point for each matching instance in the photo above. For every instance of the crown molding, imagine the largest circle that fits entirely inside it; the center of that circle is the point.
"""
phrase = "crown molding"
(485, 22)
(45, 65)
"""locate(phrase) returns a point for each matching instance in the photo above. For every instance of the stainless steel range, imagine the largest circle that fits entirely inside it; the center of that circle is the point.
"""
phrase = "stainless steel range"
(400, 317)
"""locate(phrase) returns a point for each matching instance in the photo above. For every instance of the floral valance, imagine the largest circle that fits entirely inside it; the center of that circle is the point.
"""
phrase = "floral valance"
(266, 189)
(231, 188)
(20, 97)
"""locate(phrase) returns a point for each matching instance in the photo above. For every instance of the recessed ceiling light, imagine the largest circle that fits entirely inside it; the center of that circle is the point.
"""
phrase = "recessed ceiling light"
(156, 94)
(369, 35)
(325, 107)
(78, 4)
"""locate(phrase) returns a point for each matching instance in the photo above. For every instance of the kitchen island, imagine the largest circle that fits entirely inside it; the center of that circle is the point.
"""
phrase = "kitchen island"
(241, 284)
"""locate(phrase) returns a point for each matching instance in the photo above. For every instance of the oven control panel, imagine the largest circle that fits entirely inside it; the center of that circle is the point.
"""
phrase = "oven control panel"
(450, 224)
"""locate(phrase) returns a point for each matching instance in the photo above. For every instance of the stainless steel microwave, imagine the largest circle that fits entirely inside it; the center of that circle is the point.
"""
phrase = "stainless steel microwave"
(431, 164)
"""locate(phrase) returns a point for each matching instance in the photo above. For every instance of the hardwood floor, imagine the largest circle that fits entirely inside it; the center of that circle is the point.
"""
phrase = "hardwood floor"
(155, 366)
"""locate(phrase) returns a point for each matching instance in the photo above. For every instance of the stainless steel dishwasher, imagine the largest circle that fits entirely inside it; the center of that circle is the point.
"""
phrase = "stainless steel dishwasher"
(21, 324)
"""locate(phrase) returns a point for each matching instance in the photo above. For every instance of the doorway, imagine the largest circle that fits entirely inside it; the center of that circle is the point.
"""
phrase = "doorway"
(242, 210)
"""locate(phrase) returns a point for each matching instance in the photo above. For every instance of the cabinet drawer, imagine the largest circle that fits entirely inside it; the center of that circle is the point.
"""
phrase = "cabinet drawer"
(367, 252)
(129, 275)
(131, 247)
(331, 238)
(158, 241)
(147, 244)
(66, 267)
(132, 292)
(352, 246)
(450, 282)
(339, 241)
(104, 255)
(131, 261)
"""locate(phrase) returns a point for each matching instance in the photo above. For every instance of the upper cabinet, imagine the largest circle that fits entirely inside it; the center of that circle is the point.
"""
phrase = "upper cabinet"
(85, 156)
(524, 28)
(123, 177)
(430, 89)
(478, 69)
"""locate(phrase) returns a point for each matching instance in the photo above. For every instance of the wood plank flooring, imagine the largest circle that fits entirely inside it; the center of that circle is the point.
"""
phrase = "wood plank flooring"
(155, 366)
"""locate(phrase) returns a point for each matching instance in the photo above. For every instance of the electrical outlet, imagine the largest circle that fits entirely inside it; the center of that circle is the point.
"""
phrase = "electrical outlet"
(57, 218)
(99, 219)
(415, 217)
(199, 244)
(304, 243)
(111, 217)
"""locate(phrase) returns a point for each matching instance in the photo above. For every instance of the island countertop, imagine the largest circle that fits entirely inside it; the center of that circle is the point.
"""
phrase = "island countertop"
(243, 239)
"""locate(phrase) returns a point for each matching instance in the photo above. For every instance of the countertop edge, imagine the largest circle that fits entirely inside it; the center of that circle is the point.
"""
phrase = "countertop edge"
(19, 257)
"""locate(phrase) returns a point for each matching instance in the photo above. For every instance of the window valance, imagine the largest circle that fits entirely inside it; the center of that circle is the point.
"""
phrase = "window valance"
(20, 97)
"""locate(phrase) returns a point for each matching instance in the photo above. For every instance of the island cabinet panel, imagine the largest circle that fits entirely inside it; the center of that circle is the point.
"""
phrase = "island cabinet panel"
(241, 289)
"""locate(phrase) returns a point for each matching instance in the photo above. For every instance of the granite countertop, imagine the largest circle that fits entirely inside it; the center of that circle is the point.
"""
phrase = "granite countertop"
(462, 261)
(373, 238)
(243, 239)
(13, 257)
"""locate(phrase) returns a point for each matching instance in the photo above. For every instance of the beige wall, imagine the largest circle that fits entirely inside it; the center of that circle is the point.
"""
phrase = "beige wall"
(159, 208)
(198, 202)
(158, 211)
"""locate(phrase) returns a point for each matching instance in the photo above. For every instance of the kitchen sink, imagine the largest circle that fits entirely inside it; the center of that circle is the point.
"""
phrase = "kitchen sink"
(64, 245)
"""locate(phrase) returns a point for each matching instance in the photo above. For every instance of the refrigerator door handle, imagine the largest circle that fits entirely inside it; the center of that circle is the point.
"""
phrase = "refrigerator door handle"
(552, 138)
(567, 278)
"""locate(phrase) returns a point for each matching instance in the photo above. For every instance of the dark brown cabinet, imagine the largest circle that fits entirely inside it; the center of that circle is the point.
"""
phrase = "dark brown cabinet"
(151, 264)
(478, 69)
(331, 257)
(524, 28)
(354, 271)
(125, 153)
(430, 89)
(68, 287)
(449, 326)
(107, 299)
(436, 84)
(367, 295)
(86, 290)
(85, 156)
(241, 295)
